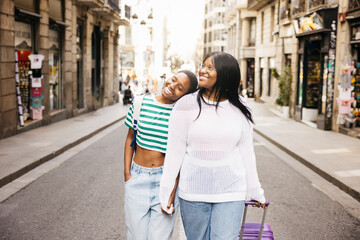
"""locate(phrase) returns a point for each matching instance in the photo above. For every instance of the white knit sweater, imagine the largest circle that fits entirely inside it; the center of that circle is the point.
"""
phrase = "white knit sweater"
(214, 154)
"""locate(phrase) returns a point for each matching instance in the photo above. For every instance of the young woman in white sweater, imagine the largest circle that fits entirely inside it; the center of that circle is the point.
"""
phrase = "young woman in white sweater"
(210, 144)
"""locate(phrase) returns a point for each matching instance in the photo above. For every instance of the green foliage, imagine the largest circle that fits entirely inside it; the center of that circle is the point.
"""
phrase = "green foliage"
(274, 73)
(284, 83)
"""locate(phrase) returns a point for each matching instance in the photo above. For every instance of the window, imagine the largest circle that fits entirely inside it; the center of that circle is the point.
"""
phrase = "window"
(315, 3)
(298, 6)
(252, 35)
(272, 23)
(29, 5)
(353, 4)
(262, 27)
(55, 76)
(56, 10)
(128, 37)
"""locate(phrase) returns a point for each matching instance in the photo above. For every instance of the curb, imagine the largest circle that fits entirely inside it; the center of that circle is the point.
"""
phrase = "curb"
(352, 192)
(12, 176)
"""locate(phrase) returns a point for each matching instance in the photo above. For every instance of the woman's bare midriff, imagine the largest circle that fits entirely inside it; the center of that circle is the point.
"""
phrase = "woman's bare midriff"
(148, 158)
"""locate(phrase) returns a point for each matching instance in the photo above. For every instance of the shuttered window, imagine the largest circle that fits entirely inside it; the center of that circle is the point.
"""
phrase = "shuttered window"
(56, 10)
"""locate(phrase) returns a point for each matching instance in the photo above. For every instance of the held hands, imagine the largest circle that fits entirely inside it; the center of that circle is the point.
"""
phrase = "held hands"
(170, 206)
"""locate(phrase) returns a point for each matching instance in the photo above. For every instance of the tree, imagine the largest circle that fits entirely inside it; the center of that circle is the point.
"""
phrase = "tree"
(284, 83)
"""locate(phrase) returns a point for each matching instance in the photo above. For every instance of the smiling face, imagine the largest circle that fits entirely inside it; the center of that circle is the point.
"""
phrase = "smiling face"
(176, 87)
(207, 74)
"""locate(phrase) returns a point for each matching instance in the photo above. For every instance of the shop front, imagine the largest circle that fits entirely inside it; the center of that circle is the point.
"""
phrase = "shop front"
(352, 119)
(25, 26)
(315, 83)
(250, 77)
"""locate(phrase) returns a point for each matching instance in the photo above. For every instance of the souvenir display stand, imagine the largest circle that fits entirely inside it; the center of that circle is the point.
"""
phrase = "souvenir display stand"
(36, 85)
(28, 85)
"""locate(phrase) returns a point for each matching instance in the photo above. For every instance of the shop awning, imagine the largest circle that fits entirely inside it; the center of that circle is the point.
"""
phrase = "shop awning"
(304, 34)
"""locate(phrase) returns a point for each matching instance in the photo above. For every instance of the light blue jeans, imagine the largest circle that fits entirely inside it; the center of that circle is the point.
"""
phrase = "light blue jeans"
(215, 221)
(144, 219)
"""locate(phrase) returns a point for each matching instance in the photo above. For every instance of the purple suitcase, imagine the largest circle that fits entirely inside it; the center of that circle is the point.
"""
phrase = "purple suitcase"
(250, 231)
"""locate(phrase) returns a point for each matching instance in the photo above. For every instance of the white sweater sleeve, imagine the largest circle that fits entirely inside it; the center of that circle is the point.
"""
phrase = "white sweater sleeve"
(176, 149)
(246, 148)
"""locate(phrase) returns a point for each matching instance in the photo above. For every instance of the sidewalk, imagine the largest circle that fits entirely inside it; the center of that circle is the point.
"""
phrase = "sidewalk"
(334, 156)
(25, 151)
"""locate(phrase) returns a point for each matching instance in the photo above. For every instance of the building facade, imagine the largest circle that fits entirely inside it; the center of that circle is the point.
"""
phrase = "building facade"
(241, 41)
(318, 40)
(215, 29)
(268, 54)
(349, 44)
(59, 59)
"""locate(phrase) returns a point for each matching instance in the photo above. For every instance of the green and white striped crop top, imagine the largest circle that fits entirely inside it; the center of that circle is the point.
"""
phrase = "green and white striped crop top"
(153, 123)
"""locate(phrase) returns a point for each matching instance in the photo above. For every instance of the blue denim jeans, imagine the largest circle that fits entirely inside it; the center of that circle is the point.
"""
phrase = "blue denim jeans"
(215, 221)
(143, 215)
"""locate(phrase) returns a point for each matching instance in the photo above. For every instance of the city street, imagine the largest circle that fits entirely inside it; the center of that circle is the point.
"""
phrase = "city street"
(83, 198)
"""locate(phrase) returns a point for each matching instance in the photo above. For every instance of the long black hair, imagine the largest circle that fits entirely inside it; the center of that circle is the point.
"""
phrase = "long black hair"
(227, 82)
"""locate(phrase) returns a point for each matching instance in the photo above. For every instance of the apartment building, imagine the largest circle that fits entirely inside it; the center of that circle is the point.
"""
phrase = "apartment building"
(241, 40)
(215, 30)
(75, 69)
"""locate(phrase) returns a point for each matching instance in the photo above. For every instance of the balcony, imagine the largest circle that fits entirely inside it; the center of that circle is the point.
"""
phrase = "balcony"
(354, 5)
(284, 13)
(316, 3)
(114, 4)
(90, 3)
(298, 6)
(112, 12)
(257, 4)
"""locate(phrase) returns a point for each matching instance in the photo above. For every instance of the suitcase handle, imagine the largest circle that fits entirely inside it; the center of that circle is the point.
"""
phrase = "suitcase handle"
(252, 202)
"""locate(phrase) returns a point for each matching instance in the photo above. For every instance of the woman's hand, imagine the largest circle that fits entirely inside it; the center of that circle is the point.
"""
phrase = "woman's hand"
(170, 206)
(257, 204)
(127, 176)
(171, 203)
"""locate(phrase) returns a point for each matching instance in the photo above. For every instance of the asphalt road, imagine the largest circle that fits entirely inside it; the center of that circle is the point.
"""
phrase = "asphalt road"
(83, 199)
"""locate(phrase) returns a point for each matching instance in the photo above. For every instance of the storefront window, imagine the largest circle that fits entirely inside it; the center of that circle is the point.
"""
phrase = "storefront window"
(55, 78)
(356, 86)
(79, 66)
(324, 83)
(301, 79)
(313, 75)
(250, 77)
(23, 45)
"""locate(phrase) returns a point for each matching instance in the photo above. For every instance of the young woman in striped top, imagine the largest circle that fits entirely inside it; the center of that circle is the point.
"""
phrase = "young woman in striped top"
(144, 219)
(211, 145)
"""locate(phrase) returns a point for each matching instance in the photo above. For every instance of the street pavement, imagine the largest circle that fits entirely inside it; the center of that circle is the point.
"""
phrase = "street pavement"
(332, 155)
(83, 197)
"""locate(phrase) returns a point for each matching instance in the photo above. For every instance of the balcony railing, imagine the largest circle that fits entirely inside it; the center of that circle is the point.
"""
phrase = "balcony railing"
(284, 13)
(316, 3)
(298, 6)
(114, 4)
(257, 4)
(354, 4)
(251, 2)
(91, 3)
